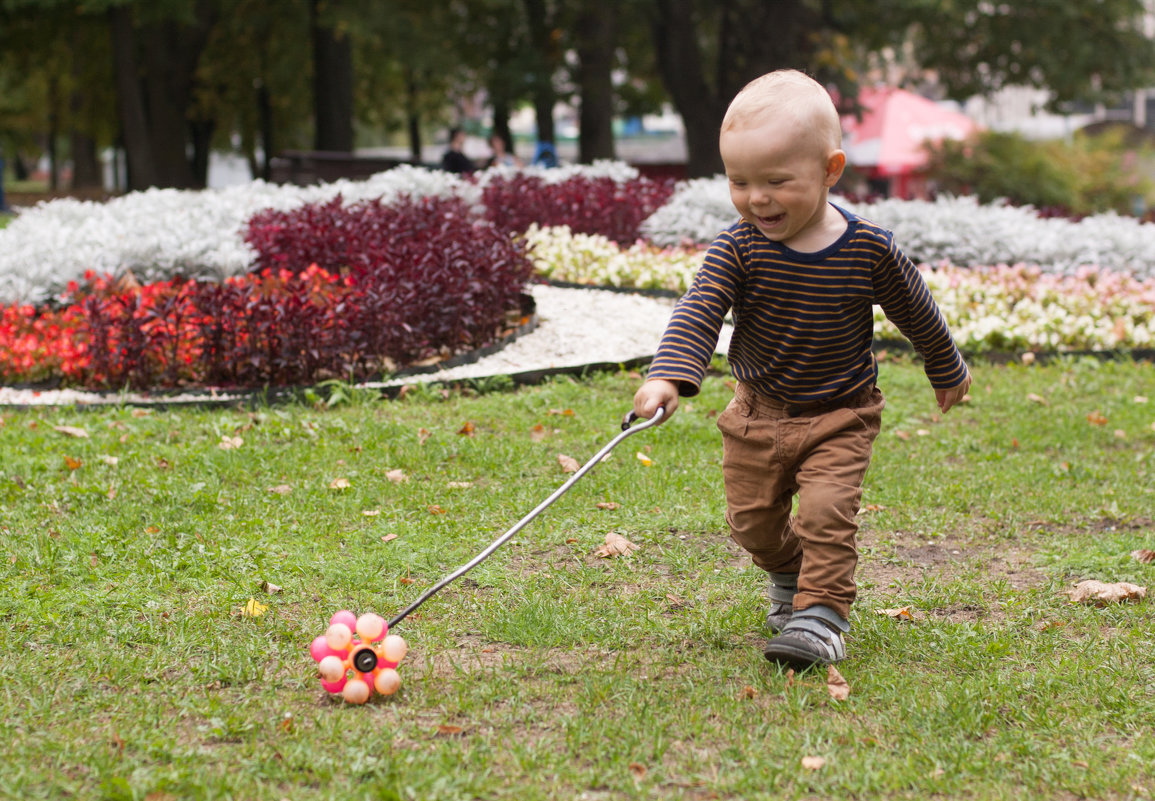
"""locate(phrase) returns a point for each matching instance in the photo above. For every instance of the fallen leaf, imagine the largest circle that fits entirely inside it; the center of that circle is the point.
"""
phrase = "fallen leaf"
(645, 460)
(162, 463)
(874, 507)
(459, 484)
(568, 463)
(71, 431)
(923, 432)
(1145, 556)
(562, 412)
(388, 537)
(615, 545)
(902, 613)
(789, 678)
(1027, 358)
(72, 464)
(141, 412)
(406, 580)
(903, 435)
(639, 770)
(111, 461)
(339, 484)
(270, 588)
(836, 685)
(537, 433)
(1139, 399)
(1101, 594)
(434, 509)
(813, 762)
(448, 730)
(467, 429)
(254, 608)
(396, 476)
(371, 512)
(1097, 418)
(1039, 399)
(230, 443)
(280, 489)
(749, 692)
(422, 435)
(610, 505)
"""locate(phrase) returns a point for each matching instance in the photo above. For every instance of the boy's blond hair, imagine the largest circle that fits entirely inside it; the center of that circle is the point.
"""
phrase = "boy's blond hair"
(787, 95)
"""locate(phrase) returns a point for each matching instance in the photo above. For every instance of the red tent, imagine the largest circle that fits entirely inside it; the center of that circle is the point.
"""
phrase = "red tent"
(887, 143)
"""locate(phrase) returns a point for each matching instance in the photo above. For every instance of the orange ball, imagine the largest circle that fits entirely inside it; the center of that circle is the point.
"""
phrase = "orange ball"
(356, 691)
(388, 681)
(395, 648)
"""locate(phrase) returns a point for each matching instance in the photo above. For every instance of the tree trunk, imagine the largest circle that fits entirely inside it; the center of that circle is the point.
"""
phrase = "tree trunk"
(542, 40)
(141, 167)
(680, 65)
(265, 115)
(596, 34)
(413, 115)
(332, 85)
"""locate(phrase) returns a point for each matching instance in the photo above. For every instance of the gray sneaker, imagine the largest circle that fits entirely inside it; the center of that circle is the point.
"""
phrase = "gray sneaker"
(780, 590)
(811, 637)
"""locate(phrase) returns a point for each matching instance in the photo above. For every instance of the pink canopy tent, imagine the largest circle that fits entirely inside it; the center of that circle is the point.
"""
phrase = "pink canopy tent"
(887, 143)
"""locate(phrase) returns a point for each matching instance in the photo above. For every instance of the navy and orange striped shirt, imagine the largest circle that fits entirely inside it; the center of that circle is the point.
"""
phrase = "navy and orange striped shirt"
(803, 322)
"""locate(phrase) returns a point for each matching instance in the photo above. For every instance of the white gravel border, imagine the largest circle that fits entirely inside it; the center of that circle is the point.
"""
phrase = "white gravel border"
(576, 327)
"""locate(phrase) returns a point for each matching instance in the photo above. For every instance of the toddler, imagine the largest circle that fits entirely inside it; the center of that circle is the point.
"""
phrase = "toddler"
(800, 276)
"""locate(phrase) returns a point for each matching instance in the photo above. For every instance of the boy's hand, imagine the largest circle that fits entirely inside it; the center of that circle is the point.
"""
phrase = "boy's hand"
(949, 397)
(655, 393)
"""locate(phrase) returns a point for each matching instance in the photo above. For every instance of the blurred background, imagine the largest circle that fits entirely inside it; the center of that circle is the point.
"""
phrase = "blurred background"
(1046, 102)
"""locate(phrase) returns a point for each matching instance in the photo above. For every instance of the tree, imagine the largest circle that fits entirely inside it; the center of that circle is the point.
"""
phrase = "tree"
(332, 79)
(595, 36)
(1088, 50)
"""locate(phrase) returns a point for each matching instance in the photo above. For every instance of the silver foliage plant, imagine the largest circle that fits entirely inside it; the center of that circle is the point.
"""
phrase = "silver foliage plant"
(958, 230)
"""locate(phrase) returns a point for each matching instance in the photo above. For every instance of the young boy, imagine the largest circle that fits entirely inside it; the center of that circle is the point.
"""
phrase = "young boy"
(801, 276)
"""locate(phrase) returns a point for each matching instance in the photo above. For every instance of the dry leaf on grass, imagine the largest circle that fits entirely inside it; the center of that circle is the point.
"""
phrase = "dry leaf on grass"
(228, 443)
(568, 463)
(468, 429)
(396, 476)
(615, 545)
(645, 460)
(902, 613)
(388, 537)
(339, 484)
(280, 489)
(1144, 555)
(71, 431)
(813, 762)
(1101, 594)
(269, 587)
(1097, 418)
(254, 608)
(639, 770)
(447, 730)
(73, 464)
(836, 685)
(610, 505)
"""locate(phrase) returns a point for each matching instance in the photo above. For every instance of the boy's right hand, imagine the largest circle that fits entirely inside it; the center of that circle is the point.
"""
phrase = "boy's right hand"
(654, 393)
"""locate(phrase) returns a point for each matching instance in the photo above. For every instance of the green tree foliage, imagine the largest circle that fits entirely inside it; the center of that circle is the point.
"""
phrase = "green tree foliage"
(1088, 175)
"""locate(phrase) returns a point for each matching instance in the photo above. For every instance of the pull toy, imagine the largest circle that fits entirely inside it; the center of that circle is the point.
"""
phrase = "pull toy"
(357, 655)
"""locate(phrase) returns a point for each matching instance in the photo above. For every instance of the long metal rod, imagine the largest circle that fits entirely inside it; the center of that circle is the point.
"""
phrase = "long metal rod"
(497, 543)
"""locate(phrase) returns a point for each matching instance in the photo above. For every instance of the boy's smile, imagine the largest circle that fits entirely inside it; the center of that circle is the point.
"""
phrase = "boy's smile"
(779, 180)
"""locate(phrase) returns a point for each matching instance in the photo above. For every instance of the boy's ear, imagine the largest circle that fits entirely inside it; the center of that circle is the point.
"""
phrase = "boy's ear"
(835, 164)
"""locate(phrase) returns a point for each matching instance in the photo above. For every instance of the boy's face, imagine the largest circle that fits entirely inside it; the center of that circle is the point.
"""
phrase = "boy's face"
(779, 177)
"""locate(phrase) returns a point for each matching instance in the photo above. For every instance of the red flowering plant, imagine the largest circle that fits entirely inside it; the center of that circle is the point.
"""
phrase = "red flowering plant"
(418, 280)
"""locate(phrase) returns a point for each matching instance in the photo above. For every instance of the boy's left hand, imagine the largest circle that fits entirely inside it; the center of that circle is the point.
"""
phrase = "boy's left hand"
(949, 397)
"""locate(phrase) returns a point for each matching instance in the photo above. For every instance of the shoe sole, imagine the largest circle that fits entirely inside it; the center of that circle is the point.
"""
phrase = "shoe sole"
(798, 658)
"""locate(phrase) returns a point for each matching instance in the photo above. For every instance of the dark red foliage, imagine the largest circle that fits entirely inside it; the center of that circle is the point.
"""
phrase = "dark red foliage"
(357, 291)
(587, 205)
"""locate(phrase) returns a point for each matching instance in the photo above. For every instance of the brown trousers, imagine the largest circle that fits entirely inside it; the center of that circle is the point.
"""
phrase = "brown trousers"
(772, 452)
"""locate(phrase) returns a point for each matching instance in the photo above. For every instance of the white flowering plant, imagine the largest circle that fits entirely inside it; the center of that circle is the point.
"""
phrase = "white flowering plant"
(561, 255)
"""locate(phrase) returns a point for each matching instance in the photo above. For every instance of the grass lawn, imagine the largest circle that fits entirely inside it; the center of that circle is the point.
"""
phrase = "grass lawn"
(129, 671)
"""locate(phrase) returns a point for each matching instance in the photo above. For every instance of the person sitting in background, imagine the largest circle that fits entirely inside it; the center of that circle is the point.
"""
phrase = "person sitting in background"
(502, 157)
(455, 159)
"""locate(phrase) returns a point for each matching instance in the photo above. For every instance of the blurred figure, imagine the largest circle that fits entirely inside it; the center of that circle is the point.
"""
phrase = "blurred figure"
(455, 159)
(502, 157)
(546, 155)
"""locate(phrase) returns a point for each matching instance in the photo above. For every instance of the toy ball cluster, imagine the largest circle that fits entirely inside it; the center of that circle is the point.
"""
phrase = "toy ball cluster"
(357, 655)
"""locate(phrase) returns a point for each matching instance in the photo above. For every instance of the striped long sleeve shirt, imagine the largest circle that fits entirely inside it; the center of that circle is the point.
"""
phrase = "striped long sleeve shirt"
(804, 322)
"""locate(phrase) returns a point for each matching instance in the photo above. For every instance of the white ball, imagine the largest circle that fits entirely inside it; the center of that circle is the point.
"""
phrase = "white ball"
(331, 668)
(395, 648)
(387, 682)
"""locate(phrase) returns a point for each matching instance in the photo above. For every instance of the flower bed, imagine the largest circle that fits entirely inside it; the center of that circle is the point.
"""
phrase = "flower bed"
(262, 285)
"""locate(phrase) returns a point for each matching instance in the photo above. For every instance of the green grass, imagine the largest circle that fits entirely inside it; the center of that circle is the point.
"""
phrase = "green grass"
(127, 670)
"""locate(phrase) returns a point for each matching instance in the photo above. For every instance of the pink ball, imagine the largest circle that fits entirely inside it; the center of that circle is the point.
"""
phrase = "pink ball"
(319, 649)
(334, 686)
(346, 617)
